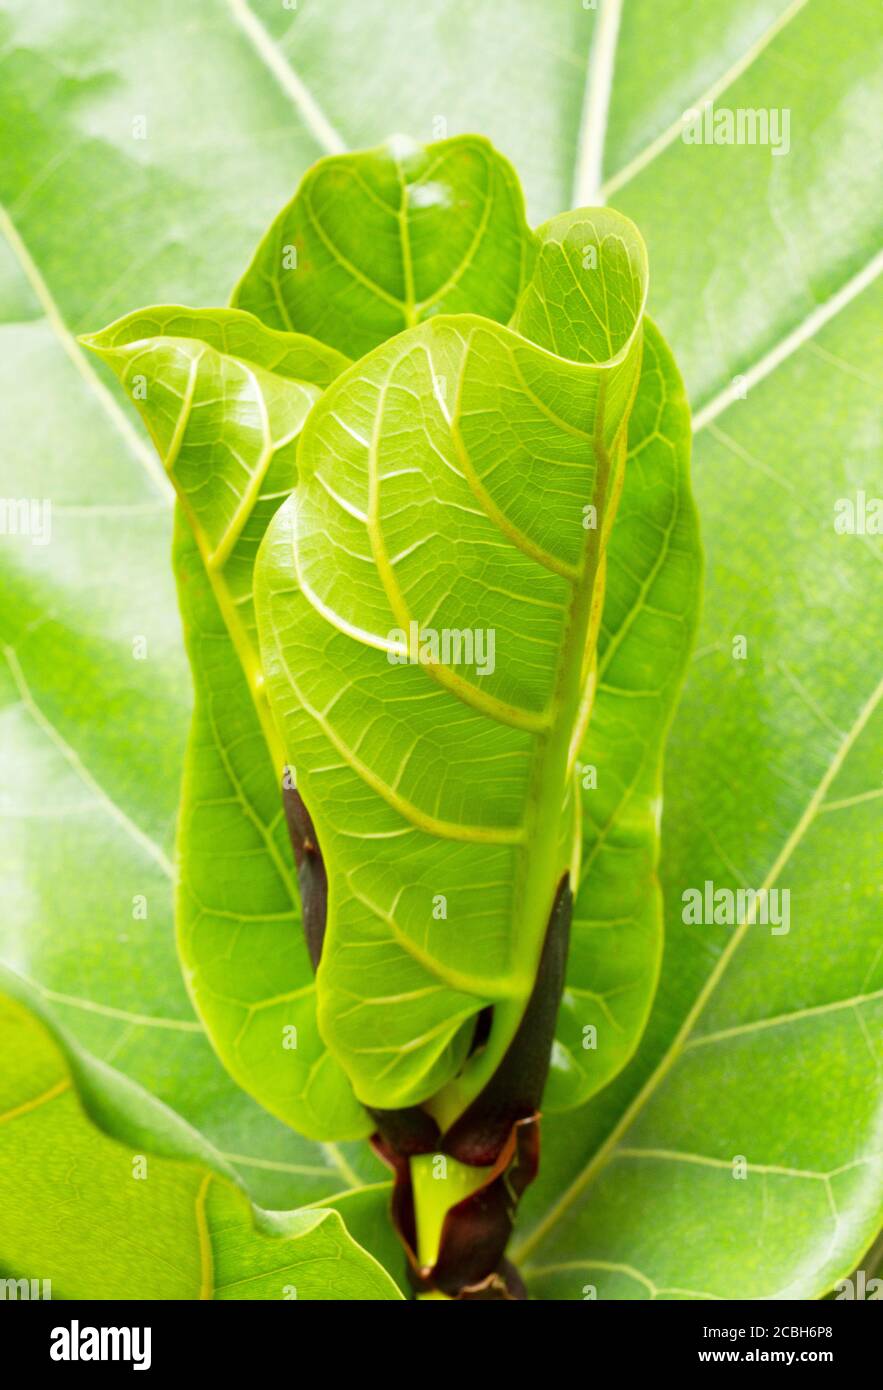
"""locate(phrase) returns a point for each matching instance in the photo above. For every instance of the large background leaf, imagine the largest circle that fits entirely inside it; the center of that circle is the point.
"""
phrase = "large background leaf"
(762, 1045)
(760, 267)
(92, 737)
(147, 1208)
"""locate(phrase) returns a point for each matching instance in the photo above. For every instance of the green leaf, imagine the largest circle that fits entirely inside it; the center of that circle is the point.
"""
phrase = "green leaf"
(765, 259)
(194, 373)
(764, 1045)
(92, 734)
(366, 1213)
(651, 606)
(158, 354)
(225, 399)
(149, 1210)
(405, 526)
(376, 242)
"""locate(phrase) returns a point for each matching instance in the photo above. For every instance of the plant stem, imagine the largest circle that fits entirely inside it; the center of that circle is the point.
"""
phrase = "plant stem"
(439, 1182)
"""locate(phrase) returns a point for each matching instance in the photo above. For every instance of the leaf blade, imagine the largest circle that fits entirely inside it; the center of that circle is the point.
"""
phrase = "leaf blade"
(651, 605)
(382, 551)
(375, 242)
(168, 1221)
(225, 399)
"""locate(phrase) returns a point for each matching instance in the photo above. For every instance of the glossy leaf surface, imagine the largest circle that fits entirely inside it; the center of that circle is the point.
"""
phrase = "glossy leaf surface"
(225, 399)
(428, 636)
(152, 349)
(376, 242)
(763, 1054)
(651, 603)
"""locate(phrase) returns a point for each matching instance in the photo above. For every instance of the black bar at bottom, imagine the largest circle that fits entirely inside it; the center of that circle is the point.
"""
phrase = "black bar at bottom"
(279, 1339)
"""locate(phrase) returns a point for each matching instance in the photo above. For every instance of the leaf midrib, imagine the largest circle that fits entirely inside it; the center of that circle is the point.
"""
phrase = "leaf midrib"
(412, 309)
(77, 357)
(596, 105)
(726, 79)
(785, 347)
(270, 53)
(551, 774)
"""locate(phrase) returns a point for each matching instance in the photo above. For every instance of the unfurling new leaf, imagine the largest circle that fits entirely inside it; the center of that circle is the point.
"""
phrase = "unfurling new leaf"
(444, 486)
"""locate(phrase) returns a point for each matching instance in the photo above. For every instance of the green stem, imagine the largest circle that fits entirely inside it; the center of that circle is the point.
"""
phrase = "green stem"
(439, 1182)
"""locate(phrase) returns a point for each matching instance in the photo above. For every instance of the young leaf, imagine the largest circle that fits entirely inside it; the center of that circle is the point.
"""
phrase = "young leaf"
(376, 242)
(442, 788)
(654, 572)
(225, 398)
(615, 984)
(150, 1211)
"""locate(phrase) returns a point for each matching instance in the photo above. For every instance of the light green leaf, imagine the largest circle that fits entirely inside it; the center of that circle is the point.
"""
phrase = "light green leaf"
(441, 781)
(150, 1211)
(366, 1214)
(228, 135)
(213, 455)
(92, 734)
(650, 609)
(376, 242)
(766, 257)
(225, 399)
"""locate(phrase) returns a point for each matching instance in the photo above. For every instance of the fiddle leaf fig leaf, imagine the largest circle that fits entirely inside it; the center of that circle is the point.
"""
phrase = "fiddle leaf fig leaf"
(428, 637)
(230, 793)
(224, 399)
(150, 1209)
(378, 241)
(651, 604)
